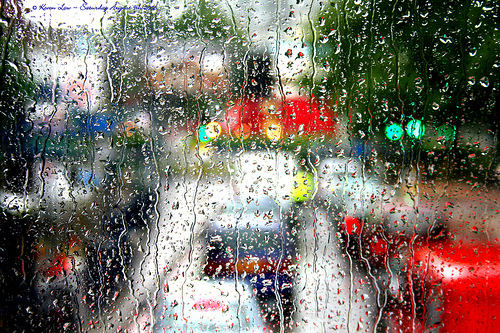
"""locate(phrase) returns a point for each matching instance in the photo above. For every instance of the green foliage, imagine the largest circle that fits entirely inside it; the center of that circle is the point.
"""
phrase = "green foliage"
(396, 60)
(205, 21)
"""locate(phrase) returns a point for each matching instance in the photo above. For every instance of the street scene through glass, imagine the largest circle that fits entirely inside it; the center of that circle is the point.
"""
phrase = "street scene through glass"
(249, 166)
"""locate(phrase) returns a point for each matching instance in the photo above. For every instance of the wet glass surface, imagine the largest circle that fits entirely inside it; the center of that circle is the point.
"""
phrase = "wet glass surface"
(262, 166)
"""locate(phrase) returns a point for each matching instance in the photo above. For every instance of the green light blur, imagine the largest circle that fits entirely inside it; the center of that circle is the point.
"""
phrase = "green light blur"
(415, 129)
(202, 135)
(394, 132)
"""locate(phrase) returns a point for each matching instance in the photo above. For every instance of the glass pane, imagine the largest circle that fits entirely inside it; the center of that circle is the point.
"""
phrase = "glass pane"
(275, 166)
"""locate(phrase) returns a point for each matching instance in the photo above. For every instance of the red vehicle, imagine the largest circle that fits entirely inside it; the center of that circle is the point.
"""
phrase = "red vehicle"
(442, 285)
(431, 279)
(453, 287)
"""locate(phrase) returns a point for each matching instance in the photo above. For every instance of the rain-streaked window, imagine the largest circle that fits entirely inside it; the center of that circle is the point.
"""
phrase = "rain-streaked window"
(261, 166)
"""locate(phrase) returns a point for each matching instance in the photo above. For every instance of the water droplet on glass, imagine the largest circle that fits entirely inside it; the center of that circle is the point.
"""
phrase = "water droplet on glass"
(445, 40)
(484, 81)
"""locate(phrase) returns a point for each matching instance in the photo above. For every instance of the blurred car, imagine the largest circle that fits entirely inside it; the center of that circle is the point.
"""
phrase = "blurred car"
(256, 245)
(250, 238)
(451, 287)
